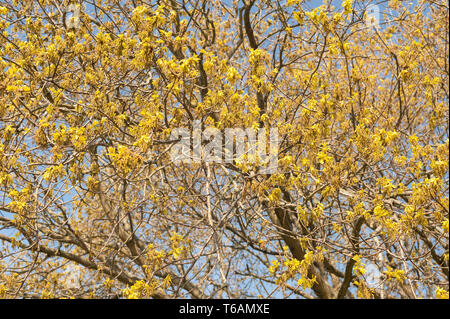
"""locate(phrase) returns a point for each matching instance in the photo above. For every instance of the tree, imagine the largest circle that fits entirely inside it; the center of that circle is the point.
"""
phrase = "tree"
(92, 205)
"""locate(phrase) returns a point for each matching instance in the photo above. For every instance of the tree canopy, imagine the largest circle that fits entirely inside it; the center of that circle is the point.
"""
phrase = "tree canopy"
(93, 206)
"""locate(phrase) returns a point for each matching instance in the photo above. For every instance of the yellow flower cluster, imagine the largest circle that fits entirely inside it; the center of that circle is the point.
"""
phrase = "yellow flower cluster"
(124, 159)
